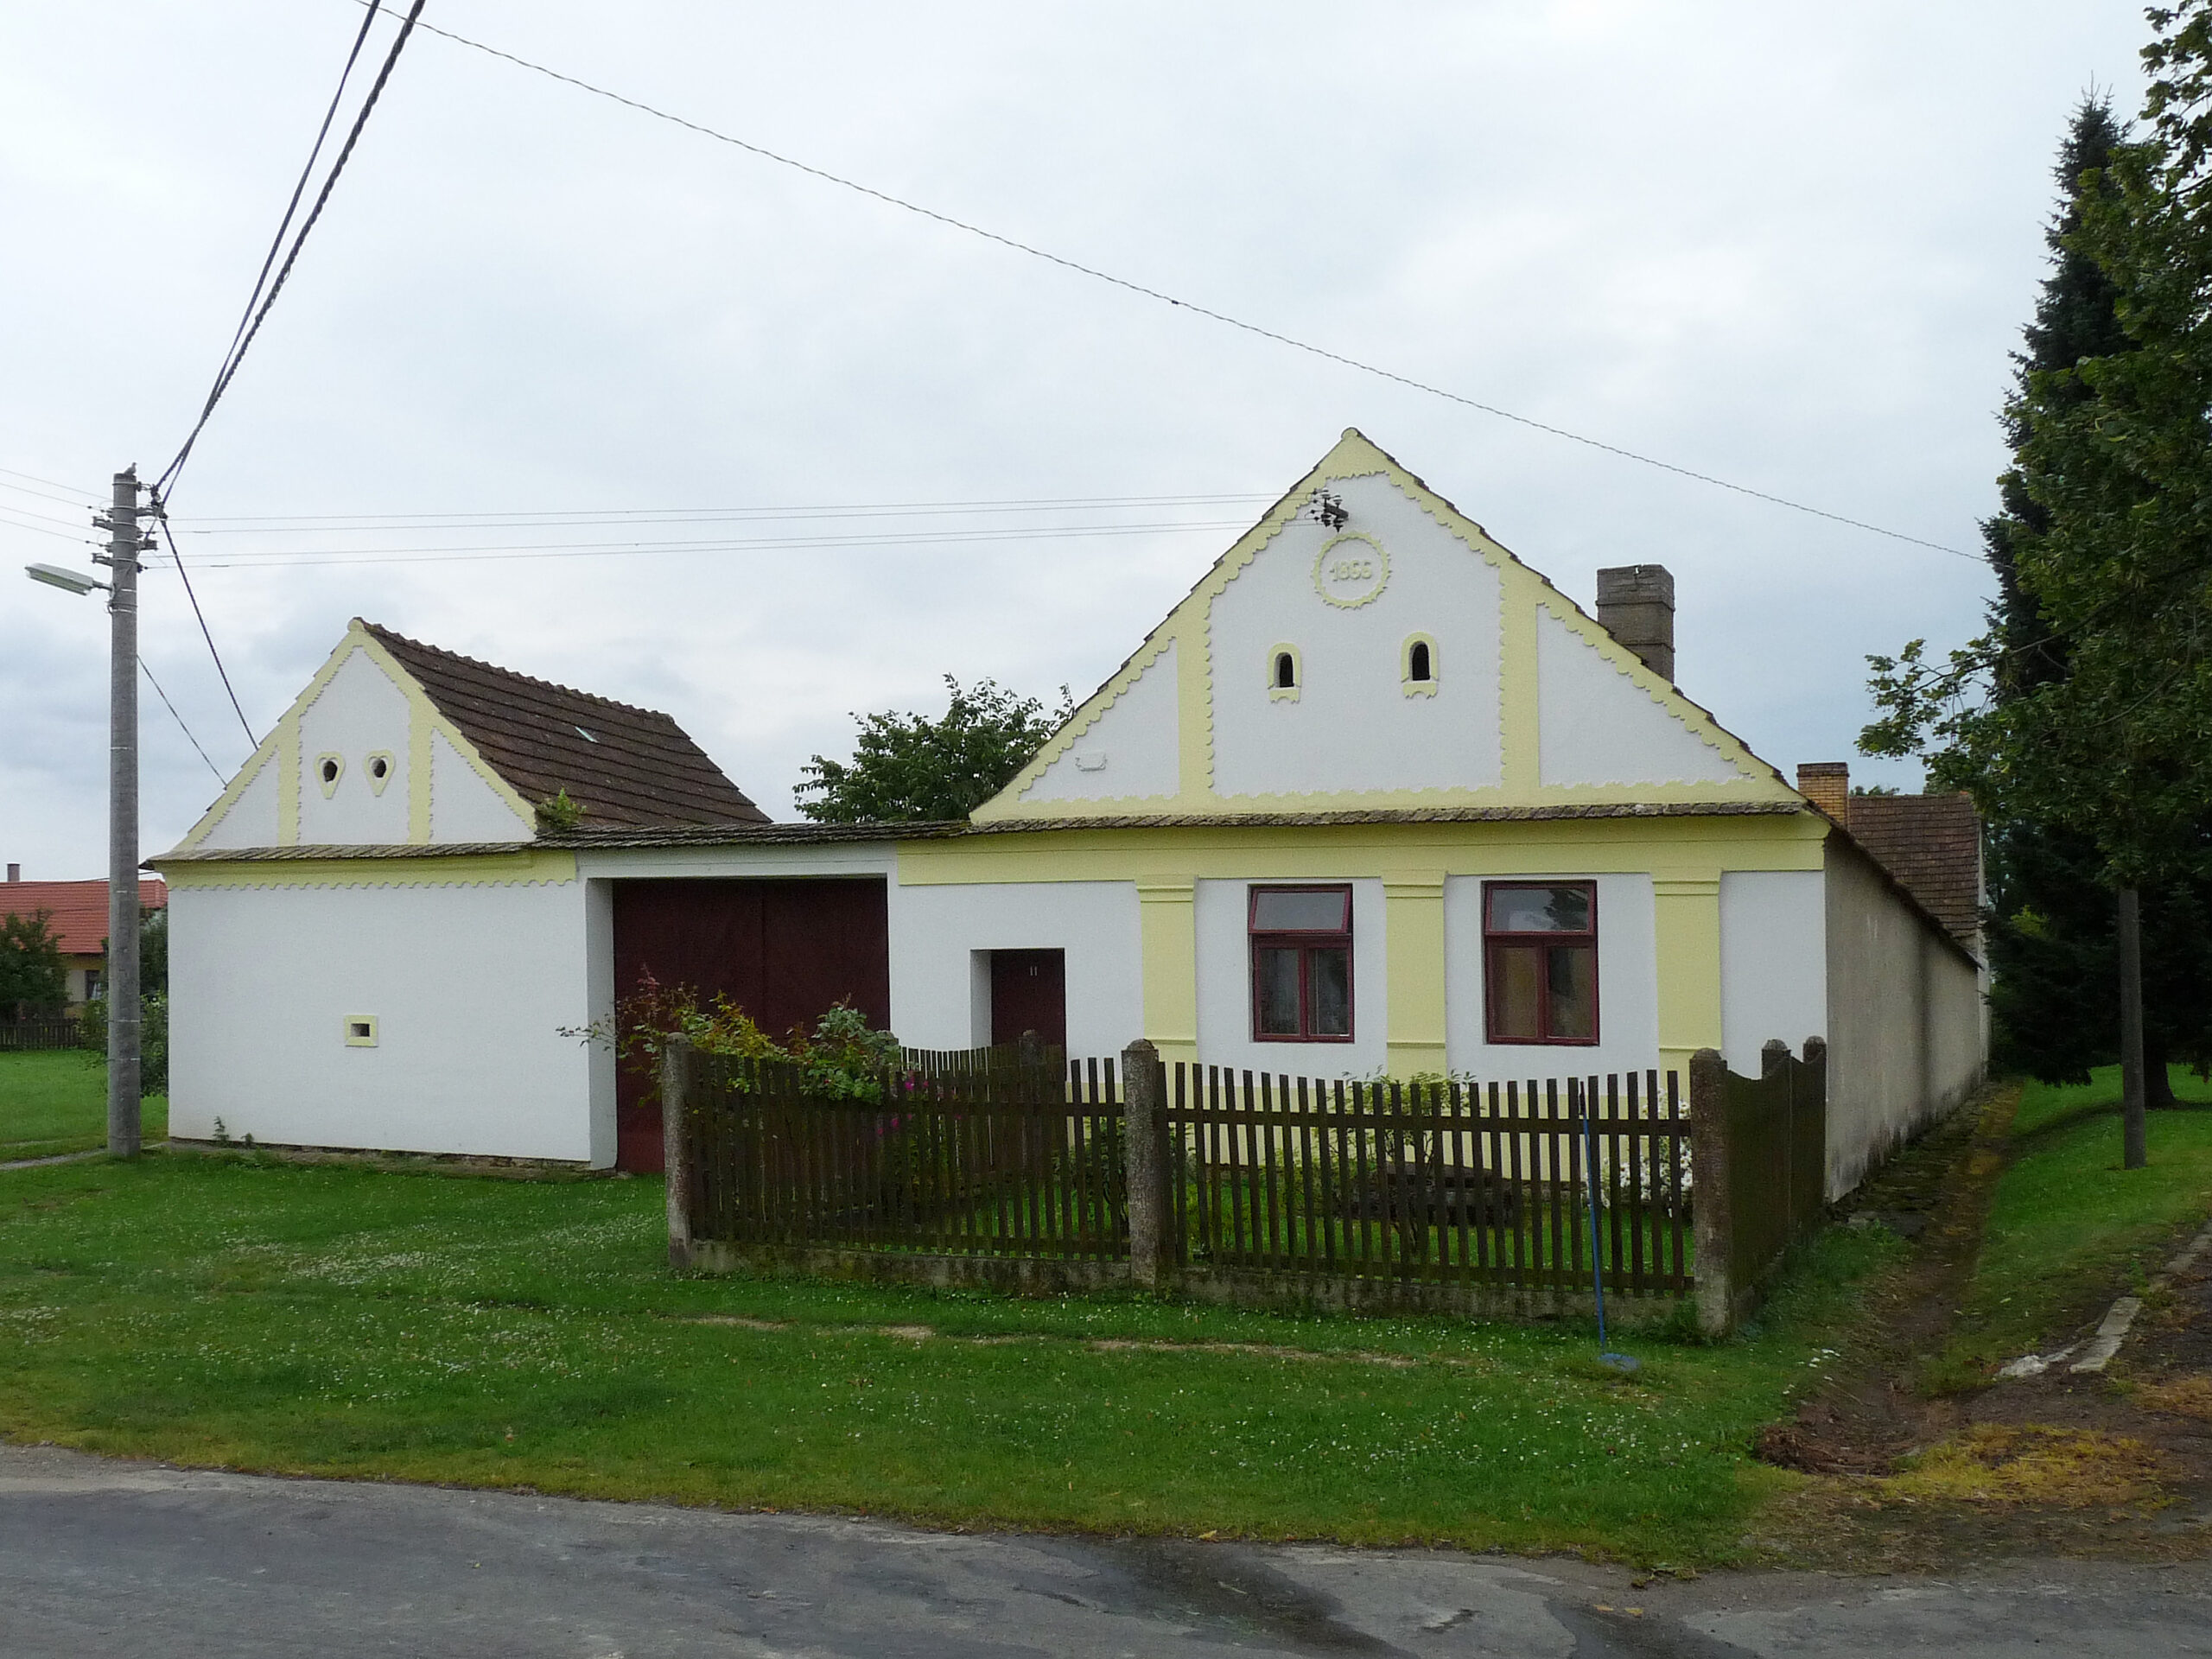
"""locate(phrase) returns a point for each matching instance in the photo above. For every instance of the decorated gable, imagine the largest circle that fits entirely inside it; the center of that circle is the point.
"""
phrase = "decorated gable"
(1366, 646)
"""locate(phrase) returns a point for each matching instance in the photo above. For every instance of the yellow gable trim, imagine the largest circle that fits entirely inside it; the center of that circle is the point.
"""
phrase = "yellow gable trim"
(531, 868)
(1521, 591)
(282, 746)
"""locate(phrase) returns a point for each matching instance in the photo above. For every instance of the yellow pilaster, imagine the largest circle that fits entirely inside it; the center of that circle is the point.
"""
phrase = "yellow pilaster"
(1687, 914)
(1516, 698)
(1167, 916)
(1412, 903)
(288, 780)
(418, 770)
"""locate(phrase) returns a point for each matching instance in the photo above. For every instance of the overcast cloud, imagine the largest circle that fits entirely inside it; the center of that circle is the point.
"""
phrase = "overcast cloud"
(1788, 244)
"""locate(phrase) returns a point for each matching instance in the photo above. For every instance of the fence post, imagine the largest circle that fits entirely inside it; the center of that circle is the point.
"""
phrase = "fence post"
(1144, 1089)
(1715, 1222)
(679, 1074)
(1814, 1081)
(1774, 1063)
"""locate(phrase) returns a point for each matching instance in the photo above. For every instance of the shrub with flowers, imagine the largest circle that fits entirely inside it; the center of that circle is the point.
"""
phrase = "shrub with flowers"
(841, 1059)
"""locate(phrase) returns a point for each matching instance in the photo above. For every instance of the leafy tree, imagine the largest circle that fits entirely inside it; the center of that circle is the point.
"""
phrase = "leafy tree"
(2051, 922)
(32, 978)
(154, 952)
(2094, 726)
(910, 768)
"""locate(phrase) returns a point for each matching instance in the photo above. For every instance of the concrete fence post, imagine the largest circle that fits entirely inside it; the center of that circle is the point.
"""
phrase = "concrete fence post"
(679, 1074)
(1144, 1091)
(1714, 1217)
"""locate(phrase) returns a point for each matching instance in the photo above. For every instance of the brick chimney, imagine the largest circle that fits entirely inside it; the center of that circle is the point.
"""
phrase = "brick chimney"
(1827, 784)
(1635, 605)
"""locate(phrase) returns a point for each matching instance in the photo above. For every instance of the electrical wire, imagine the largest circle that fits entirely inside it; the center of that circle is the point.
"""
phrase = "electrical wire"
(40, 529)
(242, 341)
(88, 498)
(557, 519)
(162, 518)
(1223, 317)
(493, 552)
(180, 726)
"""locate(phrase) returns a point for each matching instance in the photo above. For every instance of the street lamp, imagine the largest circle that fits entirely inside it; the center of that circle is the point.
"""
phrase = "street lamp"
(54, 576)
(125, 543)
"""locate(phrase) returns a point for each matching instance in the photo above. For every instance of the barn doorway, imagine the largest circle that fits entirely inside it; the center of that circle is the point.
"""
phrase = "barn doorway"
(1029, 992)
(785, 951)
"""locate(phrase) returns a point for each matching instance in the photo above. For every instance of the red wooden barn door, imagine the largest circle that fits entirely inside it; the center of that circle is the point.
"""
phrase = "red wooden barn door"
(784, 951)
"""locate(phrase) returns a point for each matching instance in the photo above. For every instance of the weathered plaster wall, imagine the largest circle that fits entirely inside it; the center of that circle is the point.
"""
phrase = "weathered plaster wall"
(1904, 1019)
(1773, 962)
(468, 985)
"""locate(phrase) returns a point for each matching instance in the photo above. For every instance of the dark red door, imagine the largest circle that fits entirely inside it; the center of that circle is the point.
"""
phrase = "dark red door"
(1029, 992)
(783, 952)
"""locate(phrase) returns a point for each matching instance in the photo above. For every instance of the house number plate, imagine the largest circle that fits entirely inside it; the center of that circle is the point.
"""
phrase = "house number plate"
(1351, 569)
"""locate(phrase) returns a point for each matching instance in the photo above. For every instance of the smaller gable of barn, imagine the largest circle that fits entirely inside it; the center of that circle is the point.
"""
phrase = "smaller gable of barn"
(396, 743)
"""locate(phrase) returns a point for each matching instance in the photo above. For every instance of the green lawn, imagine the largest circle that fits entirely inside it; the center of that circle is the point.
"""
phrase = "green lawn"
(224, 1310)
(2070, 1229)
(57, 1102)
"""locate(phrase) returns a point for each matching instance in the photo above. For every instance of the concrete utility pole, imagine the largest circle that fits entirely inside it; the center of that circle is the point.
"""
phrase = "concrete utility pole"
(123, 545)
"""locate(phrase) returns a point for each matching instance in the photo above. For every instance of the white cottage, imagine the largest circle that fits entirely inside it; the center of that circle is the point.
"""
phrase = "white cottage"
(1375, 797)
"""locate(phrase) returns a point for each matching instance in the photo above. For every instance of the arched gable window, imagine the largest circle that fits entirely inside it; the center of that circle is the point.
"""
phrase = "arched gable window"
(1418, 666)
(1286, 673)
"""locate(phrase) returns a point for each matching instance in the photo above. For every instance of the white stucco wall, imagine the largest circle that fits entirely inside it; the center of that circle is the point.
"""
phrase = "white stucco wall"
(465, 808)
(1904, 1019)
(1352, 726)
(359, 712)
(940, 978)
(1773, 962)
(251, 819)
(1133, 750)
(1221, 913)
(468, 985)
(1628, 992)
(1597, 726)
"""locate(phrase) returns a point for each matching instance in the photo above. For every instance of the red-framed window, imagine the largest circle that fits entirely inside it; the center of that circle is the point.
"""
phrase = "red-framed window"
(1302, 964)
(1540, 961)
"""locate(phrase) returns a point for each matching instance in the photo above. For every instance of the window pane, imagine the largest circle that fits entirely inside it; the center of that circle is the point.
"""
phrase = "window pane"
(1515, 986)
(1275, 990)
(1540, 910)
(1573, 976)
(1277, 912)
(1328, 984)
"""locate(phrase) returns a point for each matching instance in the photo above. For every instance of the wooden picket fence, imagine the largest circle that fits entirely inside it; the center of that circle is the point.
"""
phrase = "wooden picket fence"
(994, 1158)
(1445, 1182)
(26, 1036)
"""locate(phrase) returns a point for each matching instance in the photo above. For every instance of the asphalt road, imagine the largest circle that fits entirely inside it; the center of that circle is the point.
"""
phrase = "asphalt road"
(101, 1557)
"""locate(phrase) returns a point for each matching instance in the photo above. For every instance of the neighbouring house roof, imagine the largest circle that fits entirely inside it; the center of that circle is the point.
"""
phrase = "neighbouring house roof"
(1932, 845)
(77, 910)
(625, 766)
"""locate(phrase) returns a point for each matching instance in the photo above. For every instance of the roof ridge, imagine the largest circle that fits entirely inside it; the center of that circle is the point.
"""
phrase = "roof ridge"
(387, 635)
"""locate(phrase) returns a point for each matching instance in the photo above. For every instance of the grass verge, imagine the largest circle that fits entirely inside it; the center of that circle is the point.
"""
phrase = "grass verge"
(2068, 1227)
(226, 1310)
(56, 1101)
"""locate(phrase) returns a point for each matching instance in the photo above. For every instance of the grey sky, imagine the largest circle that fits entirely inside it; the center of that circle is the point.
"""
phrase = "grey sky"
(1789, 244)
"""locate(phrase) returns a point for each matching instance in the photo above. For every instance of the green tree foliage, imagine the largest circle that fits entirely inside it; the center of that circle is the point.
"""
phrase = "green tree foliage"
(153, 1041)
(2081, 720)
(33, 979)
(909, 768)
(153, 953)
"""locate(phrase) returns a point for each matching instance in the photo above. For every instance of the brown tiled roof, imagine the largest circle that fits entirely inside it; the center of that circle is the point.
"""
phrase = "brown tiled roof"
(1932, 845)
(626, 767)
(76, 910)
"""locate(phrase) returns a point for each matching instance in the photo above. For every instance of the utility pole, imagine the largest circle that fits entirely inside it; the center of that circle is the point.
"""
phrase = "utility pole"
(124, 544)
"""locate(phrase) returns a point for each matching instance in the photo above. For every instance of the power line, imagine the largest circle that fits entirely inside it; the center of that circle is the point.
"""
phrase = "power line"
(180, 726)
(86, 498)
(480, 553)
(162, 518)
(40, 529)
(558, 519)
(1129, 286)
(243, 340)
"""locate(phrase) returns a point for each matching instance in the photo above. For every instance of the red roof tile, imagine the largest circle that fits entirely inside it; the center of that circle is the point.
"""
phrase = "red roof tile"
(626, 767)
(1932, 844)
(77, 910)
